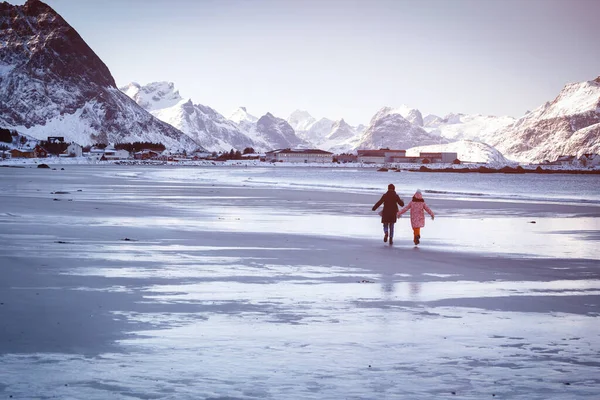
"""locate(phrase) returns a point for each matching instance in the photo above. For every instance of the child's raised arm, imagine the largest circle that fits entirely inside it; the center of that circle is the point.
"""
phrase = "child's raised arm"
(405, 209)
(426, 208)
(376, 206)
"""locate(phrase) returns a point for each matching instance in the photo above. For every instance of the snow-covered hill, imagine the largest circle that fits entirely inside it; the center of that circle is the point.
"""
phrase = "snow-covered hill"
(201, 123)
(154, 96)
(467, 151)
(53, 84)
(565, 126)
(241, 115)
(317, 132)
(476, 127)
(389, 128)
(325, 134)
(300, 120)
(411, 114)
(276, 133)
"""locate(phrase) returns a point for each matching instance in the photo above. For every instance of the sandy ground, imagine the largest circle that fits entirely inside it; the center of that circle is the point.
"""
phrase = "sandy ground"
(115, 287)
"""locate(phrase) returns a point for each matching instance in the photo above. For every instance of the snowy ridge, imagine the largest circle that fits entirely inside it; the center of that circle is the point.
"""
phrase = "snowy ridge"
(317, 132)
(205, 126)
(343, 138)
(276, 133)
(154, 96)
(241, 115)
(301, 120)
(388, 128)
(471, 127)
(411, 114)
(325, 134)
(200, 123)
(552, 129)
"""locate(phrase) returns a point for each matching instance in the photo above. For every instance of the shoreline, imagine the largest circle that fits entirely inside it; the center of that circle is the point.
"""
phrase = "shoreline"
(478, 168)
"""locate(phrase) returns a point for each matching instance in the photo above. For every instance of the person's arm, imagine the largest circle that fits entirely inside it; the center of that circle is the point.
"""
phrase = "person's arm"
(399, 201)
(376, 206)
(426, 208)
(405, 209)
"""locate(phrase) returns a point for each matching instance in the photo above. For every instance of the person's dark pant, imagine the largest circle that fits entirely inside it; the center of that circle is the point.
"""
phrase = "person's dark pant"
(388, 227)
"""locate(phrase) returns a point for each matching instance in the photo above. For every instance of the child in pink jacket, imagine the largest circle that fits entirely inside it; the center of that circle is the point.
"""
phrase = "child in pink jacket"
(417, 216)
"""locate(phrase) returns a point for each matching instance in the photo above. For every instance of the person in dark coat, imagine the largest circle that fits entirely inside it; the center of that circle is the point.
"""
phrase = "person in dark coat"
(390, 201)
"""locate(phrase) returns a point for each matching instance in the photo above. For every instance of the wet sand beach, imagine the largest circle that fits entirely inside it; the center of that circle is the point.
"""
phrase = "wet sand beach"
(118, 282)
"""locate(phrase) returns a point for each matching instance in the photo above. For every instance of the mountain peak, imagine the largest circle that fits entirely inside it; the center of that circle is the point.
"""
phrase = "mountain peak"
(153, 96)
(301, 120)
(241, 116)
(36, 7)
(34, 34)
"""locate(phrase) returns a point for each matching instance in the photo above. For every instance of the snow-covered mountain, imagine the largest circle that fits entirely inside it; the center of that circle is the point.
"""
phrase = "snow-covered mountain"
(275, 133)
(476, 127)
(241, 115)
(53, 84)
(432, 121)
(568, 125)
(317, 132)
(201, 123)
(325, 134)
(300, 120)
(342, 138)
(389, 128)
(467, 150)
(154, 96)
(411, 114)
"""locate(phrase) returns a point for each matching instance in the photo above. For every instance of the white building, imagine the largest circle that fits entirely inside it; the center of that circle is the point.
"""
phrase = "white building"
(74, 150)
(95, 153)
(299, 156)
(110, 153)
(379, 156)
(565, 160)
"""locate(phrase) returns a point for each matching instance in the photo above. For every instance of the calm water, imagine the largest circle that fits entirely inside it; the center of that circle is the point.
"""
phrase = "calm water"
(559, 188)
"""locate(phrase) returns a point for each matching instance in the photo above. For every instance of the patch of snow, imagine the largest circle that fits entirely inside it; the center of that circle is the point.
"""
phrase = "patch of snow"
(154, 96)
(301, 120)
(241, 115)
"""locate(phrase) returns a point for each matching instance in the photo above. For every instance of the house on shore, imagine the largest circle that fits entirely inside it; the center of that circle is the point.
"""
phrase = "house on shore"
(383, 156)
(379, 156)
(73, 150)
(299, 156)
(439, 157)
(563, 160)
(110, 153)
(37, 152)
(95, 153)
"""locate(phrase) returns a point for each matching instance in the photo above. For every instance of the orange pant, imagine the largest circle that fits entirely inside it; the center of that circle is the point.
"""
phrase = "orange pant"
(417, 231)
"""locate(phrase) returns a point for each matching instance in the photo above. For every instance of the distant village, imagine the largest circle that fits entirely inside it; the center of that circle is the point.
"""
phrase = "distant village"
(55, 146)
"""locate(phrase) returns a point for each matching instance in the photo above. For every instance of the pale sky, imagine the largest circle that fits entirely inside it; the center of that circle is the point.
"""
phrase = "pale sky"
(347, 59)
